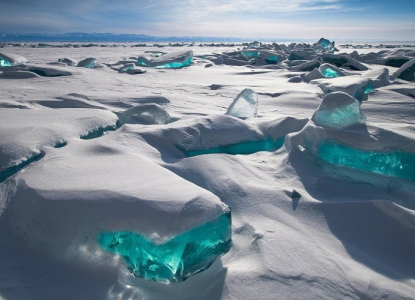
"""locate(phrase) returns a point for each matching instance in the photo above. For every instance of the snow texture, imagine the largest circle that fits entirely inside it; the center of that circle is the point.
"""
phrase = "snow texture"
(319, 185)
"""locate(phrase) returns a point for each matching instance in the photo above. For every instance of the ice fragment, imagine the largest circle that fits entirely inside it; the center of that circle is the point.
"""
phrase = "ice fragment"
(396, 163)
(245, 105)
(338, 110)
(176, 259)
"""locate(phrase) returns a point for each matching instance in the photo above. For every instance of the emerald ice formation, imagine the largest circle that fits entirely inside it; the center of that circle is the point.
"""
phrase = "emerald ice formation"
(178, 258)
(4, 63)
(396, 163)
(172, 60)
(338, 110)
(7, 60)
(245, 105)
(248, 147)
(88, 63)
(330, 71)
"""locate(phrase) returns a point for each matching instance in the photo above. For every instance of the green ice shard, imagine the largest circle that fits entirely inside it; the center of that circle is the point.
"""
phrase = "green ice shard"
(176, 65)
(396, 164)
(249, 54)
(241, 148)
(340, 117)
(330, 73)
(4, 63)
(177, 259)
(368, 88)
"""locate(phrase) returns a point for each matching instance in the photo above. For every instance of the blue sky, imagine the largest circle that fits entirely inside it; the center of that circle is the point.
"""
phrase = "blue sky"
(290, 19)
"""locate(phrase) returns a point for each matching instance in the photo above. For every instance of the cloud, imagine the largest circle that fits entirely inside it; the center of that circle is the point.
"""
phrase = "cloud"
(245, 18)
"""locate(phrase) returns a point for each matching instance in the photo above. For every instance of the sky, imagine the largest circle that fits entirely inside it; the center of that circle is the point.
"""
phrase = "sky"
(286, 19)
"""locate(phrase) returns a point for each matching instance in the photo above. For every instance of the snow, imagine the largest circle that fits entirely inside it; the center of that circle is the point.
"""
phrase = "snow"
(327, 212)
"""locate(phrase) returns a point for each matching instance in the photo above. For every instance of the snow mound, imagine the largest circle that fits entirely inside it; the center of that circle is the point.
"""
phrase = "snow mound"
(18, 75)
(356, 86)
(48, 71)
(379, 78)
(19, 141)
(68, 61)
(86, 197)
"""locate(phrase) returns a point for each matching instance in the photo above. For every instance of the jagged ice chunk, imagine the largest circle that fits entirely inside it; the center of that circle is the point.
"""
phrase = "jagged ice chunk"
(396, 164)
(176, 259)
(245, 105)
(338, 110)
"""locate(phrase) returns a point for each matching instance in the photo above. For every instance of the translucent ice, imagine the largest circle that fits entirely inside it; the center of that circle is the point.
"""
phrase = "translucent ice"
(172, 60)
(245, 105)
(176, 259)
(7, 59)
(407, 71)
(323, 43)
(248, 147)
(330, 71)
(88, 63)
(4, 63)
(396, 164)
(176, 65)
(338, 110)
(248, 54)
(145, 114)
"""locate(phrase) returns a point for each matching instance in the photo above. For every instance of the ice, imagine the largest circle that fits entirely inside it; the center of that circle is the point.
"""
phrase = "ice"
(407, 71)
(396, 61)
(88, 63)
(330, 71)
(248, 147)
(145, 114)
(249, 54)
(68, 61)
(172, 60)
(323, 43)
(307, 66)
(245, 105)
(7, 59)
(4, 63)
(343, 61)
(176, 259)
(396, 163)
(356, 86)
(379, 78)
(126, 67)
(338, 110)
(300, 55)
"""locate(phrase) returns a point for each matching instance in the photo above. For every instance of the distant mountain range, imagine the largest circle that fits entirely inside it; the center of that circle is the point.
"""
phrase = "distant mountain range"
(112, 37)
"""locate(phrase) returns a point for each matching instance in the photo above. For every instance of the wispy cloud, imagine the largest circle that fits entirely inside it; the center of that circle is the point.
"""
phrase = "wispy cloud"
(245, 18)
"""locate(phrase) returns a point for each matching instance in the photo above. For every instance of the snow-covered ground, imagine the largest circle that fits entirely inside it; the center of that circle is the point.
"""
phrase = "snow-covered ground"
(327, 211)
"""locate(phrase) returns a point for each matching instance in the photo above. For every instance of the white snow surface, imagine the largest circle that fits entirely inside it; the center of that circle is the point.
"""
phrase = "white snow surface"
(351, 235)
